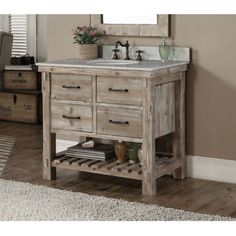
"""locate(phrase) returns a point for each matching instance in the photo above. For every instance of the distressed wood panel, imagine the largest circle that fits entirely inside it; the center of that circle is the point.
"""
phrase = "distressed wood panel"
(23, 80)
(120, 122)
(19, 107)
(49, 139)
(149, 150)
(164, 109)
(119, 90)
(125, 170)
(161, 29)
(115, 73)
(179, 145)
(71, 117)
(72, 87)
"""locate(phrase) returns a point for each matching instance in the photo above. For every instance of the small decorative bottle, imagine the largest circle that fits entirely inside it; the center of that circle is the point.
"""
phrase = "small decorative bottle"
(121, 151)
(164, 51)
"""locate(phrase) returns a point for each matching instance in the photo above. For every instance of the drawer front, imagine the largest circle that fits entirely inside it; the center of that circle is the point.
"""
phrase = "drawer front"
(119, 122)
(119, 90)
(72, 87)
(19, 107)
(71, 117)
(24, 80)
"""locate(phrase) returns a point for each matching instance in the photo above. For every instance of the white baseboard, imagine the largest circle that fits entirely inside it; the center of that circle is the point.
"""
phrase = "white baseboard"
(215, 169)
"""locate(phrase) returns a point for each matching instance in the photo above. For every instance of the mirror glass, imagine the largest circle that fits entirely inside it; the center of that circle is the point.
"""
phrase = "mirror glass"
(129, 19)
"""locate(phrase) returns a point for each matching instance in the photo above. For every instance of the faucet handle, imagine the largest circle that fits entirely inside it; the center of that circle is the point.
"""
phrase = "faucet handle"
(139, 56)
(115, 55)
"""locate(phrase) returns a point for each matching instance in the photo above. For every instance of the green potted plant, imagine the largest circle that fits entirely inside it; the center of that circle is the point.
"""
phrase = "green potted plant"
(86, 38)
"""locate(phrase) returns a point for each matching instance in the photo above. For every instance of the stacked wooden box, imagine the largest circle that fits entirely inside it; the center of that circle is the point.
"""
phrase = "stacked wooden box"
(20, 96)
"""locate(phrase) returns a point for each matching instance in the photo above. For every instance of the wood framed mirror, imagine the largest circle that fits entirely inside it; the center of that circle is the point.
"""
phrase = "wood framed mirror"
(159, 29)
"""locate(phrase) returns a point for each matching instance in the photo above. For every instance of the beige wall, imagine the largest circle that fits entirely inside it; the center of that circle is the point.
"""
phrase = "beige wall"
(55, 39)
(211, 86)
(60, 38)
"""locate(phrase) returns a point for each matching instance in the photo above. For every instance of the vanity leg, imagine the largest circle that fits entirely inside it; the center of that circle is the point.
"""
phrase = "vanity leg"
(149, 162)
(179, 135)
(49, 139)
(49, 147)
(149, 172)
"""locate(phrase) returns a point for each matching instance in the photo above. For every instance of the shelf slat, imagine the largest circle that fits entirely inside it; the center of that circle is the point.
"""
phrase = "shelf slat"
(112, 167)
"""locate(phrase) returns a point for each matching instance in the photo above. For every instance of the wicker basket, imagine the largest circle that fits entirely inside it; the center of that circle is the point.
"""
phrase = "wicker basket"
(87, 51)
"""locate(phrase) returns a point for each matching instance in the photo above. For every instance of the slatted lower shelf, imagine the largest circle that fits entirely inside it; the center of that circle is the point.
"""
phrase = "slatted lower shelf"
(126, 170)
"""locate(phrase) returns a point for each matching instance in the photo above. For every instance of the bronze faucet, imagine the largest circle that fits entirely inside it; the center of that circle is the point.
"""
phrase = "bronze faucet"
(126, 45)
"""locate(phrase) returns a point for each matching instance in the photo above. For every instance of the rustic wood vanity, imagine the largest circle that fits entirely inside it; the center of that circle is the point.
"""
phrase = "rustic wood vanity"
(137, 102)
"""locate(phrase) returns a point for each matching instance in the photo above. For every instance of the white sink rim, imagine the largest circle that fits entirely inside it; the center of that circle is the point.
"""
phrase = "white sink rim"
(112, 62)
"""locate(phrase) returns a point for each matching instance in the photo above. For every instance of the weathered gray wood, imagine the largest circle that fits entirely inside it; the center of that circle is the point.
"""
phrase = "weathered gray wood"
(149, 162)
(49, 139)
(119, 90)
(20, 80)
(164, 109)
(133, 171)
(71, 117)
(74, 135)
(179, 149)
(160, 29)
(149, 113)
(108, 118)
(118, 72)
(72, 87)
(19, 107)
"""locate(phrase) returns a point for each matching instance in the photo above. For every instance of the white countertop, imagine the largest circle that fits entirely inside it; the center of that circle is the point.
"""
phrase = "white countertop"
(146, 65)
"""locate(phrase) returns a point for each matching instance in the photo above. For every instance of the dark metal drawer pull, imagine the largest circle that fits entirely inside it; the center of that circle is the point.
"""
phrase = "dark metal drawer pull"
(71, 117)
(70, 87)
(118, 90)
(119, 122)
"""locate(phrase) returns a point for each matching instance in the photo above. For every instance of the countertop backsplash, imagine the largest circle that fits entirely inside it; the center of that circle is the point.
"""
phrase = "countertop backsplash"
(149, 53)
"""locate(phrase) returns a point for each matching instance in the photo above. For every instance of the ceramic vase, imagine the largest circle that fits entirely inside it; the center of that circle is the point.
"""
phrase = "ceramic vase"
(121, 151)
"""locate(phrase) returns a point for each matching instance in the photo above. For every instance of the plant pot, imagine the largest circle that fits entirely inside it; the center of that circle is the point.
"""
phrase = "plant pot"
(133, 155)
(132, 151)
(87, 51)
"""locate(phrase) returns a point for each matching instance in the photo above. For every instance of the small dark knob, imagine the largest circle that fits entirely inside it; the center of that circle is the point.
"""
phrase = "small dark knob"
(139, 56)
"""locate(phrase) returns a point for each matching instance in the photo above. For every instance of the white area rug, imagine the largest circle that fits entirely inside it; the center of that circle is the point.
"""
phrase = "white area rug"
(23, 201)
(6, 145)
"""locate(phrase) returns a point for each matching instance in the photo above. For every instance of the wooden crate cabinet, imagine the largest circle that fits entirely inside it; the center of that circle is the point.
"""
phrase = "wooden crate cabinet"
(21, 107)
(21, 80)
(20, 95)
(133, 106)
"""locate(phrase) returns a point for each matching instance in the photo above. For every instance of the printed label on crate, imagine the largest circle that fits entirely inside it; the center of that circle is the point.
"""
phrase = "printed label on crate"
(27, 107)
(19, 81)
(5, 111)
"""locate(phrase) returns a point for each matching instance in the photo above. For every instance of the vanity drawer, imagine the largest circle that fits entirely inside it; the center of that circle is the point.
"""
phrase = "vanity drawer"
(72, 87)
(119, 90)
(119, 122)
(71, 117)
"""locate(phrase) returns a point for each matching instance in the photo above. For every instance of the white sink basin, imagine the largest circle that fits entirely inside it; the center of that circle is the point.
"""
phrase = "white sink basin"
(112, 62)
